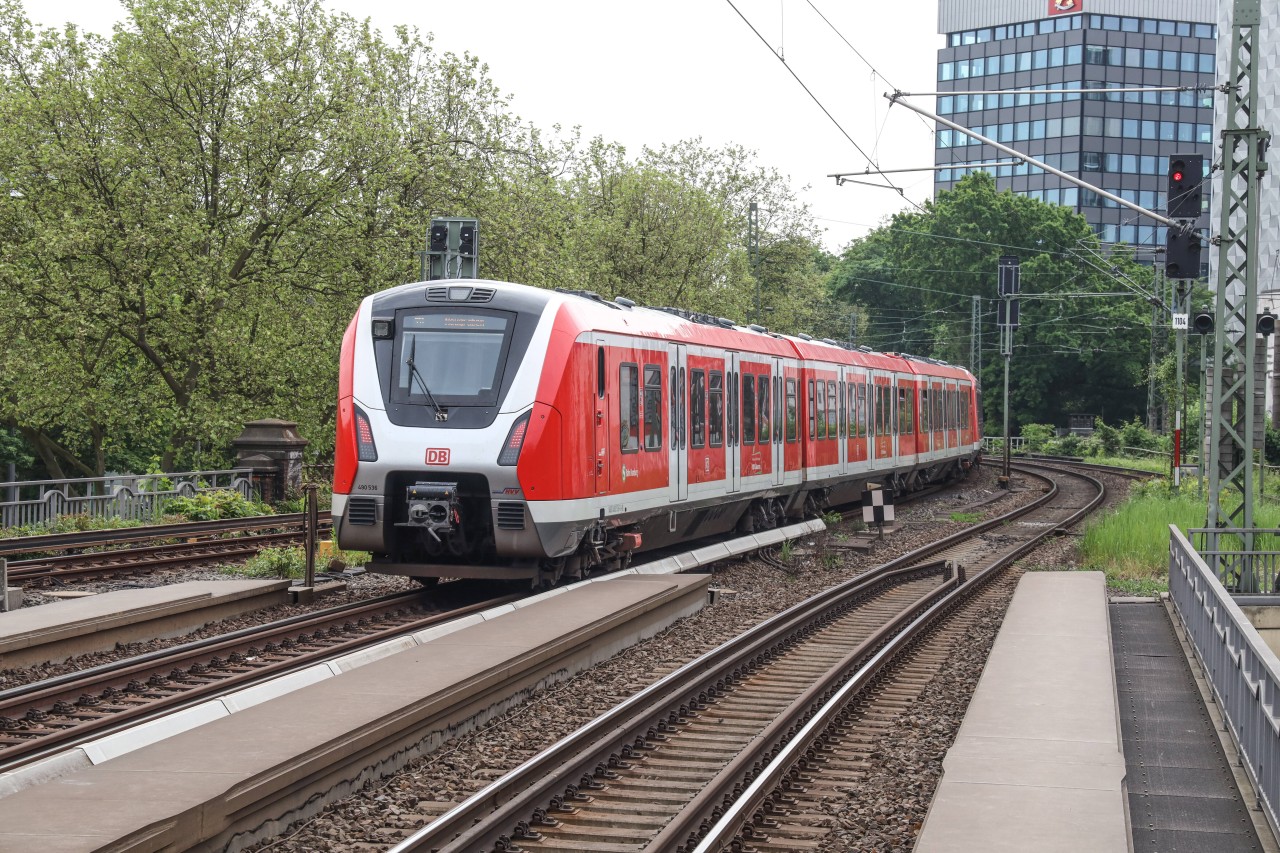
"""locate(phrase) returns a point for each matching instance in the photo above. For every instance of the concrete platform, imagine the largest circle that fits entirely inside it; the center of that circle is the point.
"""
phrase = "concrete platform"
(247, 774)
(1038, 762)
(61, 630)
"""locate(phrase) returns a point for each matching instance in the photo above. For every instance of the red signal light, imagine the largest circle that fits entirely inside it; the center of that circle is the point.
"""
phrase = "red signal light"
(1177, 176)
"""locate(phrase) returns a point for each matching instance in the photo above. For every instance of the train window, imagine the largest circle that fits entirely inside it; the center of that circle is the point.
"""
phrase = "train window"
(764, 425)
(652, 407)
(697, 408)
(600, 372)
(924, 409)
(777, 409)
(831, 409)
(731, 391)
(860, 409)
(904, 413)
(682, 421)
(937, 411)
(818, 404)
(629, 407)
(449, 357)
(675, 408)
(844, 420)
(792, 413)
(813, 425)
(964, 407)
(715, 410)
(748, 408)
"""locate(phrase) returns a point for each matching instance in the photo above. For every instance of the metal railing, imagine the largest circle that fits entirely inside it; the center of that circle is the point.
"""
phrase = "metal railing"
(995, 444)
(133, 497)
(1243, 673)
(1238, 558)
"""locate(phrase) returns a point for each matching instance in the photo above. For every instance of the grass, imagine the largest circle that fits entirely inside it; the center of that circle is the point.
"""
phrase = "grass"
(966, 517)
(1131, 544)
(291, 563)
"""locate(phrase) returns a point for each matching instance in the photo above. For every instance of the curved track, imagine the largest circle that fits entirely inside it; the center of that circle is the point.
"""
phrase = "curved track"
(703, 792)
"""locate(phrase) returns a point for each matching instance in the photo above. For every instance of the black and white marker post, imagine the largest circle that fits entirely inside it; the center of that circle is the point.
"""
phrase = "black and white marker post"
(877, 508)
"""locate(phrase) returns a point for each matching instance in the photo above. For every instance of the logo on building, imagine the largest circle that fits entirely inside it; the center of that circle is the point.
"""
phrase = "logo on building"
(1063, 7)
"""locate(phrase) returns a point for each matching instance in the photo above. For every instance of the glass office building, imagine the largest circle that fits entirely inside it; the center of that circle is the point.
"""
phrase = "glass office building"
(1117, 140)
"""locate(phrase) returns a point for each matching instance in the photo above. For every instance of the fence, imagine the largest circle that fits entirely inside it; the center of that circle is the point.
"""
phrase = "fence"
(1243, 673)
(125, 496)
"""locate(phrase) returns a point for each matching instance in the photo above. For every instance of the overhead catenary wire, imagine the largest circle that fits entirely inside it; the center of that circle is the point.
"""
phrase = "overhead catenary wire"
(888, 183)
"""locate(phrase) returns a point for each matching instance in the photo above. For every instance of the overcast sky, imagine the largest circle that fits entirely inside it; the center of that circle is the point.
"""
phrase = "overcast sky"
(664, 70)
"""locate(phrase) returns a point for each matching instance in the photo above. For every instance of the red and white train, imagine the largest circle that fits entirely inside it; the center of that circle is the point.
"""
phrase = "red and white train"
(496, 430)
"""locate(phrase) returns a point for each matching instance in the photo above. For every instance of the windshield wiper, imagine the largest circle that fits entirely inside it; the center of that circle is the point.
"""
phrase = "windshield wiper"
(413, 372)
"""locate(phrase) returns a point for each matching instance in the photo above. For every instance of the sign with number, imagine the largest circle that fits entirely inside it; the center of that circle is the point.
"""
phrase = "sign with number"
(1180, 322)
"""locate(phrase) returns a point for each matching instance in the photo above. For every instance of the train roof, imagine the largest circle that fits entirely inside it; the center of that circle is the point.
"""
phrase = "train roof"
(587, 311)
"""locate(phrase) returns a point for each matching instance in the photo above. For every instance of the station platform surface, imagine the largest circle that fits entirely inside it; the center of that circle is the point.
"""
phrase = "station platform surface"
(1037, 763)
(250, 769)
(63, 629)
(1087, 732)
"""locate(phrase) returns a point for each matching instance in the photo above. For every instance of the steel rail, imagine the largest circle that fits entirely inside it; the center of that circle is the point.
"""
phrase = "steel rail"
(487, 817)
(97, 538)
(716, 817)
(41, 745)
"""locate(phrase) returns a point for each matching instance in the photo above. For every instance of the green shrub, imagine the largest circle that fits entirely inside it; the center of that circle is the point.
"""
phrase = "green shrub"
(1107, 439)
(291, 562)
(221, 503)
(68, 524)
(1134, 434)
(1037, 436)
(1067, 445)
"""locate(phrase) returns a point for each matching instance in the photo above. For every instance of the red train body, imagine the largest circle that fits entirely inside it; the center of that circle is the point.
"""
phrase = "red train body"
(496, 430)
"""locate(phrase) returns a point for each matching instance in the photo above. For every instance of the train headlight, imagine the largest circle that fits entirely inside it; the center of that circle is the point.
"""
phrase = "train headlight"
(366, 450)
(510, 454)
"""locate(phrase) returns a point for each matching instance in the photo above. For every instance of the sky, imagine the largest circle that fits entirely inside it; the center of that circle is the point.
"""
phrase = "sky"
(665, 70)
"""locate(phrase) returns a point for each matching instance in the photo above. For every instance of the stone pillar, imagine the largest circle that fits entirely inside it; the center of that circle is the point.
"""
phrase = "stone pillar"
(273, 450)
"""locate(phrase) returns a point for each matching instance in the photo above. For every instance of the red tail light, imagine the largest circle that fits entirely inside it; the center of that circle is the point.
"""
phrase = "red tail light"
(510, 454)
(366, 450)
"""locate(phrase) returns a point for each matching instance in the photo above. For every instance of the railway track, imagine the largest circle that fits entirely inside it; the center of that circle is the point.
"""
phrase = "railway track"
(63, 557)
(47, 716)
(710, 756)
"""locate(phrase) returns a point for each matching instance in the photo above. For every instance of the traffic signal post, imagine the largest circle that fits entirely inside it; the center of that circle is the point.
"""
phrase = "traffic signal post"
(1008, 284)
(453, 249)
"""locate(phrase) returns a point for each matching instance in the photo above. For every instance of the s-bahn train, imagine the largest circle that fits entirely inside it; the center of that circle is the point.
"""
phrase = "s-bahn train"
(496, 430)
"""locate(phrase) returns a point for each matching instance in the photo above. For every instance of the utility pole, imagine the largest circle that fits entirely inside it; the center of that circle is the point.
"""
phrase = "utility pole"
(1234, 431)
(1151, 369)
(975, 337)
(753, 253)
(1008, 284)
(1180, 321)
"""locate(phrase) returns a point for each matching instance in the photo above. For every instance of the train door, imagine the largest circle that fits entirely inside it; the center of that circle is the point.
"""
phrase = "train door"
(733, 409)
(842, 384)
(678, 446)
(778, 431)
(601, 418)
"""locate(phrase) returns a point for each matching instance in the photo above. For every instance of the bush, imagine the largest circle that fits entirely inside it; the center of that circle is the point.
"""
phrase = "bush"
(1067, 445)
(289, 562)
(68, 524)
(221, 503)
(1037, 436)
(1107, 438)
(1134, 434)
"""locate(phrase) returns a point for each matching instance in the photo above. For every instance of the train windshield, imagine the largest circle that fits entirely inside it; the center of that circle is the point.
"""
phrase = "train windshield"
(450, 357)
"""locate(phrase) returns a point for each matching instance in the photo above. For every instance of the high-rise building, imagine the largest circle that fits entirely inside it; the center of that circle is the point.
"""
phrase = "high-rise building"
(1115, 139)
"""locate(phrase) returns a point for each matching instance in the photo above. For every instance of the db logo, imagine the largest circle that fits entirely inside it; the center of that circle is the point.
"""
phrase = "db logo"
(437, 456)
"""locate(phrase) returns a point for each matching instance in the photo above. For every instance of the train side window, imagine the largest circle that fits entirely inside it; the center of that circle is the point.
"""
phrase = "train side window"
(748, 408)
(831, 409)
(629, 407)
(964, 407)
(715, 410)
(697, 408)
(813, 423)
(682, 422)
(904, 413)
(731, 391)
(893, 403)
(818, 409)
(765, 431)
(792, 413)
(937, 411)
(600, 372)
(924, 409)
(652, 407)
(844, 418)
(777, 409)
(672, 414)
(860, 401)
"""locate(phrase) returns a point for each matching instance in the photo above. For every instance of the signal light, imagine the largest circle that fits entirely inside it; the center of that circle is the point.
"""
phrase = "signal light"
(1182, 254)
(1266, 323)
(510, 454)
(467, 240)
(439, 240)
(1186, 174)
(1202, 323)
